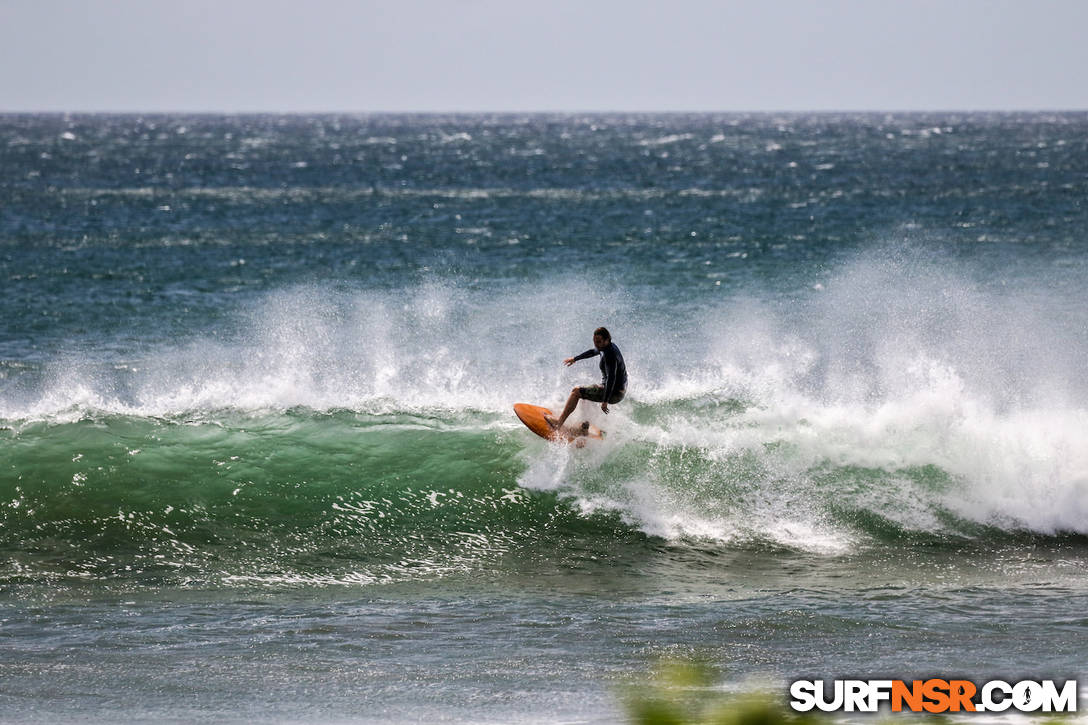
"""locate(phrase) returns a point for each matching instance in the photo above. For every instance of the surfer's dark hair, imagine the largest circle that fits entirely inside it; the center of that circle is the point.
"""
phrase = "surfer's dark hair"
(603, 332)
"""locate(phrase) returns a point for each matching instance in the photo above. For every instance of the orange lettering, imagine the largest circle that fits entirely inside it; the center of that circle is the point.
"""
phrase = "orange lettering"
(936, 691)
(911, 695)
(961, 693)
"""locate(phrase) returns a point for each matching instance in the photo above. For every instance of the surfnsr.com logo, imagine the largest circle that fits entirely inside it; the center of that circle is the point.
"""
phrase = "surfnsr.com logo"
(933, 696)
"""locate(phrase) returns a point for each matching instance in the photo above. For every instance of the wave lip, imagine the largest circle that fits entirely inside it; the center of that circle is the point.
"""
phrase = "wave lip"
(901, 398)
(302, 497)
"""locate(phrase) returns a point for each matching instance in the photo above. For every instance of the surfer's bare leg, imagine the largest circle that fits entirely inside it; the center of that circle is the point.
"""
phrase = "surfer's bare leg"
(572, 403)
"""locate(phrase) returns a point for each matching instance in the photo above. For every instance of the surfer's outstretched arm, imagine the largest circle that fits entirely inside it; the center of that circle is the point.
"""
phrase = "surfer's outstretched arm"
(587, 354)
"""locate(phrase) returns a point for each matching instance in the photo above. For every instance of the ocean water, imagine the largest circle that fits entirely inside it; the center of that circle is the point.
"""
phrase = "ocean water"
(258, 460)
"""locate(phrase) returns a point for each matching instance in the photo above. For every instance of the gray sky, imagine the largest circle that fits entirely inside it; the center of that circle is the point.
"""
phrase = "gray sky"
(546, 55)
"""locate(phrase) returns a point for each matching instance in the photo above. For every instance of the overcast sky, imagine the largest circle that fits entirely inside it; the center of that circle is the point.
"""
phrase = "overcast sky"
(546, 55)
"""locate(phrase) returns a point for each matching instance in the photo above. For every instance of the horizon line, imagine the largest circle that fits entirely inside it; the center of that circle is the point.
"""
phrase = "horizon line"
(536, 112)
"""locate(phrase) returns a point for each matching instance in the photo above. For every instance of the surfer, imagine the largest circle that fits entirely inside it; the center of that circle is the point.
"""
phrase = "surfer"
(614, 376)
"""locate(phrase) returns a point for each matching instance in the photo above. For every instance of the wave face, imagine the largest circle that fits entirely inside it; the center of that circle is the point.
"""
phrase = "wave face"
(363, 436)
(253, 394)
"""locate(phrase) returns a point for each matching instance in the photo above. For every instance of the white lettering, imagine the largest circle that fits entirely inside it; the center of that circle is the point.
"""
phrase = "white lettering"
(994, 696)
(1027, 696)
(988, 701)
(855, 695)
(804, 695)
(879, 690)
(1064, 701)
(835, 703)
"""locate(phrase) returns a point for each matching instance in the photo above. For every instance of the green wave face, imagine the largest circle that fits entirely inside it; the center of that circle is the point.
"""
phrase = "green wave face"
(281, 498)
(307, 498)
(219, 366)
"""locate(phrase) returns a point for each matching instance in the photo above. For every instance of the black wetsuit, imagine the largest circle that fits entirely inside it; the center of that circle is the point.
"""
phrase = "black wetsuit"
(613, 371)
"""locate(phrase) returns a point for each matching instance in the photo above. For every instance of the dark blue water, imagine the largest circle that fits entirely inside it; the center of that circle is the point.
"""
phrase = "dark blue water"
(257, 453)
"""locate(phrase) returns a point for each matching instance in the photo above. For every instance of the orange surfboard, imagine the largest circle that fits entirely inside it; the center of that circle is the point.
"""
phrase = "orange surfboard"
(542, 422)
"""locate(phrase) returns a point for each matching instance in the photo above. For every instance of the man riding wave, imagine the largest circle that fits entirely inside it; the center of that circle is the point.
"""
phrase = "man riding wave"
(613, 376)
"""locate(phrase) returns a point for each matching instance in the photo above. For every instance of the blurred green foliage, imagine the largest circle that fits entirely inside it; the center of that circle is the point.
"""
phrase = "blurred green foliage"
(684, 693)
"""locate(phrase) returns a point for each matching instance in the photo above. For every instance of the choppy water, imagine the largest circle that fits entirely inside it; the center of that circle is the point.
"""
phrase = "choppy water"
(258, 459)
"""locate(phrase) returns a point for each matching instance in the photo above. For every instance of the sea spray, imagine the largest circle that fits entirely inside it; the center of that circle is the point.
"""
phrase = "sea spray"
(257, 453)
(204, 461)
